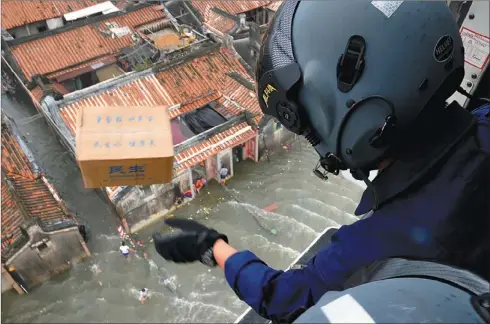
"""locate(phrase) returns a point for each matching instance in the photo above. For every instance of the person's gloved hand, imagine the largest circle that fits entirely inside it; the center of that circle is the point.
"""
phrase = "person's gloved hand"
(194, 243)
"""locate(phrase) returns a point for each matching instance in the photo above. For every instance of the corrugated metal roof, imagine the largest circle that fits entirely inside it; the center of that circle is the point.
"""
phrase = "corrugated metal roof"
(145, 91)
(60, 51)
(219, 24)
(29, 186)
(219, 142)
(16, 13)
(232, 7)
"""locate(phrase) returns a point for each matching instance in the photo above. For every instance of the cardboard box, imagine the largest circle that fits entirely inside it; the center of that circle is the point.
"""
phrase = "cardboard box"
(124, 146)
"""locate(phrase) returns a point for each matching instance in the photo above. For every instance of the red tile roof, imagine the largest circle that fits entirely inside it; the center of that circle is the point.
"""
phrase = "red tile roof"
(191, 85)
(29, 185)
(274, 6)
(37, 199)
(14, 160)
(219, 24)
(185, 87)
(17, 13)
(144, 91)
(37, 93)
(81, 66)
(195, 103)
(207, 74)
(232, 7)
(75, 46)
(12, 217)
(221, 141)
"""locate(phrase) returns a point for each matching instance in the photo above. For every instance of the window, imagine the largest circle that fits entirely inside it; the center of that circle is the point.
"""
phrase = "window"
(42, 28)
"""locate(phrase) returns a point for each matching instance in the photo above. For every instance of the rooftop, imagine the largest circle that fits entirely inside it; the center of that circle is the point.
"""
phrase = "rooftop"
(143, 91)
(231, 7)
(217, 71)
(219, 142)
(28, 189)
(219, 24)
(183, 87)
(87, 44)
(16, 13)
(274, 6)
(212, 76)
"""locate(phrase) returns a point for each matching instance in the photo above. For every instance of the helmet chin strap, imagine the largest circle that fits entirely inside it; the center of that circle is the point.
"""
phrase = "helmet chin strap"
(364, 177)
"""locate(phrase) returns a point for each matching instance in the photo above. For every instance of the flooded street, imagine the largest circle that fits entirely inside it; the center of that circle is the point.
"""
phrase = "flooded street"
(105, 288)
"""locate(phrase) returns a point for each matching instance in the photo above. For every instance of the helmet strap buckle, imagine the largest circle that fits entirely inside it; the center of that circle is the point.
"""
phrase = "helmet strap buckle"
(329, 164)
(351, 64)
(382, 136)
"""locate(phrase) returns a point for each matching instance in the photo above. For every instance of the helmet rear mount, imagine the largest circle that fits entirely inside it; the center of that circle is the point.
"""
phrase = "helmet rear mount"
(274, 87)
(351, 64)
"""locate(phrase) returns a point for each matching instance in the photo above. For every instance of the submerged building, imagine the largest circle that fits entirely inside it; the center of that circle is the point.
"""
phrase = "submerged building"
(214, 117)
(39, 237)
(180, 55)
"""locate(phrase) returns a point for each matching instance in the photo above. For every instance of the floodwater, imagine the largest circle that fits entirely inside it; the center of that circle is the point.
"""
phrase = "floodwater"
(105, 287)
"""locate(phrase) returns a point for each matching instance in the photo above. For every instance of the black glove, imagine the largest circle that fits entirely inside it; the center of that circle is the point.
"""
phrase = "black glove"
(194, 243)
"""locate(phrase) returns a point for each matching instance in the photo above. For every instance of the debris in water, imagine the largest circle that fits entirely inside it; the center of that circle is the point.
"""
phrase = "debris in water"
(274, 231)
(100, 283)
(271, 207)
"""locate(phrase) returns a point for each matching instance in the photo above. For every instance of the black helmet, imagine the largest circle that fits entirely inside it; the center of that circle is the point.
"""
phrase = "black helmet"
(352, 75)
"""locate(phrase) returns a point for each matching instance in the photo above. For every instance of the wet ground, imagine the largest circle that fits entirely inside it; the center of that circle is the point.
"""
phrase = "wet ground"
(105, 287)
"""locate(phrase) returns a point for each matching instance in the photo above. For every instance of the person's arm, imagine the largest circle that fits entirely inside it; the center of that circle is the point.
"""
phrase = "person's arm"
(269, 292)
(222, 251)
(277, 294)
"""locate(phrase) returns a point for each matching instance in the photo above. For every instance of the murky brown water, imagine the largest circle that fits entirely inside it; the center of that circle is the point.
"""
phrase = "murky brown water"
(105, 287)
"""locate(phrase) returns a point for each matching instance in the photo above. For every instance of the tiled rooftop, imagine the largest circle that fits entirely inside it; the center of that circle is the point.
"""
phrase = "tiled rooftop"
(184, 87)
(29, 186)
(16, 13)
(78, 45)
(206, 74)
(144, 91)
(86, 64)
(232, 7)
(219, 24)
(191, 85)
(11, 216)
(274, 6)
(221, 141)
(14, 160)
(37, 199)
(37, 92)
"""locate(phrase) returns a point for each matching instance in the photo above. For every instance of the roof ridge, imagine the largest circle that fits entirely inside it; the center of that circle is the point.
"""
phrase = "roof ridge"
(225, 14)
(10, 174)
(164, 66)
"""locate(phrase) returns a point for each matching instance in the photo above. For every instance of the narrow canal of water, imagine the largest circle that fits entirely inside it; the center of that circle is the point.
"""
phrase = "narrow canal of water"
(105, 287)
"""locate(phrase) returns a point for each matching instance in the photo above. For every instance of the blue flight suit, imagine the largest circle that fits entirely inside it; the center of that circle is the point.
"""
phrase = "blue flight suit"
(421, 205)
